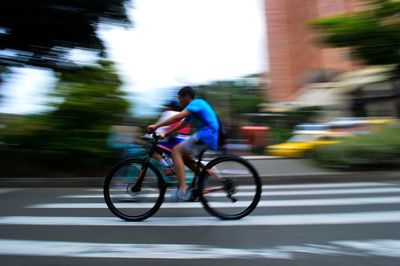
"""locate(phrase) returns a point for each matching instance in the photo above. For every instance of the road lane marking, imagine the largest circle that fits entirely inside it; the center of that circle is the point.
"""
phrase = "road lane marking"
(238, 204)
(138, 251)
(381, 247)
(266, 193)
(365, 248)
(261, 220)
(8, 190)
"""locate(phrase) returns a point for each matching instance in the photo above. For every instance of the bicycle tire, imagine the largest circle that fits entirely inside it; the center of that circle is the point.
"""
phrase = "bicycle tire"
(246, 183)
(115, 182)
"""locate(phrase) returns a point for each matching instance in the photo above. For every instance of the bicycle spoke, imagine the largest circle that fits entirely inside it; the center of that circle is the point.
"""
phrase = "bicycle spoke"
(129, 183)
(230, 188)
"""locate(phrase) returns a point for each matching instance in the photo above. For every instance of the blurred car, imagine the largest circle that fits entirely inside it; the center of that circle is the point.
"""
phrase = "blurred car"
(311, 127)
(360, 125)
(381, 121)
(302, 143)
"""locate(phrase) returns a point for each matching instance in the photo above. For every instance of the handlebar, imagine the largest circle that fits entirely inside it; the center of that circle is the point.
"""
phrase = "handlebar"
(152, 136)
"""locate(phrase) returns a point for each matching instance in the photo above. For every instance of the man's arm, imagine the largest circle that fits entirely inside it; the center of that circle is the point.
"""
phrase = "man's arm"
(175, 118)
(176, 128)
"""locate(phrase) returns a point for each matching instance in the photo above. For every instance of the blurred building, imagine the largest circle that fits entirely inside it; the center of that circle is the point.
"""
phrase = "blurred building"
(369, 91)
(294, 56)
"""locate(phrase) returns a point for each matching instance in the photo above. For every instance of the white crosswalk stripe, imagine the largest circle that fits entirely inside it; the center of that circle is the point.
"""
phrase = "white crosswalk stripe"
(304, 186)
(278, 220)
(239, 204)
(342, 194)
(296, 204)
(382, 247)
(271, 193)
(7, 190)
(334, 195)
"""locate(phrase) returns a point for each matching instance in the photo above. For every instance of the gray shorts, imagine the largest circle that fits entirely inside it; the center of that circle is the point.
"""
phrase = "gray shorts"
(194, 146)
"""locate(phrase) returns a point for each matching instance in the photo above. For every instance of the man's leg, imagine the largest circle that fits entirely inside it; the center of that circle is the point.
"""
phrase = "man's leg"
(158, 157)
(181, 156)
(189, 162)
(178, 154)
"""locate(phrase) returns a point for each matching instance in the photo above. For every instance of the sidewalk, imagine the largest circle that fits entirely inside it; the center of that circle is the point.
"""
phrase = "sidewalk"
(272, 170)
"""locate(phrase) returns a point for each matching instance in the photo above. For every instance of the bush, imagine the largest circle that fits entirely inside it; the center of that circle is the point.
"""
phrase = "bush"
(72, 138)
(50, 163)
(377, 150)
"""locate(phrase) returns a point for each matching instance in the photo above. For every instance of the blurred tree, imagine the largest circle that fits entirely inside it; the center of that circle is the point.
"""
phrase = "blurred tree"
(91, 97)
(3, 71)
(231, 99)
(42, 32)
(373, 33)
(73, 136)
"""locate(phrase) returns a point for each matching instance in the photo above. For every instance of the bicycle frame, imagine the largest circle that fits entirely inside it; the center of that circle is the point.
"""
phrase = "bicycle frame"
(207, 179)
(155, 148)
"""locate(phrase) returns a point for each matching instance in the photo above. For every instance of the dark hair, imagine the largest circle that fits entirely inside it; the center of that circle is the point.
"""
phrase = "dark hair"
(189, 91)
(174, 105)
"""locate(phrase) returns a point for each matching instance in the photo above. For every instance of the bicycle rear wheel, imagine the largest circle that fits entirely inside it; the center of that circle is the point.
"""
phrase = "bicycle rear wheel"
(130, 199)
(230, 188)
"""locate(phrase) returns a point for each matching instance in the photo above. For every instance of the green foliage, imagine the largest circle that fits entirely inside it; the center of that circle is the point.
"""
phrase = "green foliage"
(279, 135)
(72, 137)
(231, 98)
(379, 149)
(76, 131)
(372, 34)
(42, 32)
(92, 99)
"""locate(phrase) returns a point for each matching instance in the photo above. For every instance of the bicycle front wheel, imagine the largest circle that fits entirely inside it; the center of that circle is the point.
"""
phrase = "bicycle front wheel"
(230, 188)
(132, 191)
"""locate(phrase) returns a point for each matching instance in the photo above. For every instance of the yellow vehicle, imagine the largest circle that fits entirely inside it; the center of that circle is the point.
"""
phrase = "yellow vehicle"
(381, 121)
(304, 142)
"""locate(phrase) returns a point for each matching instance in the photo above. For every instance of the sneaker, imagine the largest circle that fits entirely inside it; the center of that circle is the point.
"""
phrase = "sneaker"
(194, 195)
(178, 195)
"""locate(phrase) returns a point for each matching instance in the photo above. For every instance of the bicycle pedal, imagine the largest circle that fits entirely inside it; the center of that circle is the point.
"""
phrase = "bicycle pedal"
(136, 190)
(233, 199)
(193, 199)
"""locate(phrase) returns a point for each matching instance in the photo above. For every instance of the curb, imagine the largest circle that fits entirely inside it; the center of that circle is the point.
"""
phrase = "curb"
(262, 157)
(52, 182)
(341, 177)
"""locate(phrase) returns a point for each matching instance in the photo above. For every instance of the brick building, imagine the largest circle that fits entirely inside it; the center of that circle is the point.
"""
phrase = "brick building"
(294, 54)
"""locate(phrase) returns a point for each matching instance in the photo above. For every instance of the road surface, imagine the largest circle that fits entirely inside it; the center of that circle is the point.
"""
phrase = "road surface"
(353, 223)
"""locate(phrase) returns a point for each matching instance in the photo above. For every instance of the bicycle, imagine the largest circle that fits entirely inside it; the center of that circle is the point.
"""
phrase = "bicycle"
(228, 186)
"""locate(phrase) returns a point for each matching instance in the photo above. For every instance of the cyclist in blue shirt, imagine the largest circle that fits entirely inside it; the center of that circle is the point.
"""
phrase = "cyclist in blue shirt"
(206, 136)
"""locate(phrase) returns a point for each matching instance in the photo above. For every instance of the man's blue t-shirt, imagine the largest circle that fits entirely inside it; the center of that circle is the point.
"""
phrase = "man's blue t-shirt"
(206, 122)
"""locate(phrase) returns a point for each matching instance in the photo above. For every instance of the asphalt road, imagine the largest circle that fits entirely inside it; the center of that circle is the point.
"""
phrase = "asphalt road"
(295, 224)
(272, 171)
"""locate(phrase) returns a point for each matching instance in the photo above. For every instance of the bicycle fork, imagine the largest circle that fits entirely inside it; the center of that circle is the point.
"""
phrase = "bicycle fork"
(138, 185)
(139, 180)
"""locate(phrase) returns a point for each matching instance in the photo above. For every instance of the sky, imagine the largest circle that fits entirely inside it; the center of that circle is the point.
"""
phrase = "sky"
(171, 44)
